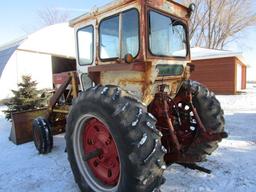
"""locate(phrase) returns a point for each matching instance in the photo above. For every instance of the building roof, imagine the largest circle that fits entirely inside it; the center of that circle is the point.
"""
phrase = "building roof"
(55, 40)
(198, 53)
(6, 52)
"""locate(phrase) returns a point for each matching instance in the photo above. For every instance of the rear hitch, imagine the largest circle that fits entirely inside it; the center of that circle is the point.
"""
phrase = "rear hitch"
(195, 167)
(167, 112)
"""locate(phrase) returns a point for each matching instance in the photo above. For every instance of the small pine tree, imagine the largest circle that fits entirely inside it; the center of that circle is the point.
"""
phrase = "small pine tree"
(25, 98)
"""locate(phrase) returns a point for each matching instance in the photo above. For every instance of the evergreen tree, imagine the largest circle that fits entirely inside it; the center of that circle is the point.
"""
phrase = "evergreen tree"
(25, 98)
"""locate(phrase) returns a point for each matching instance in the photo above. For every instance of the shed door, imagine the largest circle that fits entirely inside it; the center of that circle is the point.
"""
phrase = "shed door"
(239, 78)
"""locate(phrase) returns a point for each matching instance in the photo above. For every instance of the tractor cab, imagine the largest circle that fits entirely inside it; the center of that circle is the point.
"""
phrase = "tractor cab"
(135, 44)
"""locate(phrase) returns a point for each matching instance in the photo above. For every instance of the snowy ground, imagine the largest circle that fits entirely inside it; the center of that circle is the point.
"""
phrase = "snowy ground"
(233, 164)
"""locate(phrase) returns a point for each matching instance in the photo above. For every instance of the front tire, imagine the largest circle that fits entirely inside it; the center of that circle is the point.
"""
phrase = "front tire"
(42, 135)
(109, 115)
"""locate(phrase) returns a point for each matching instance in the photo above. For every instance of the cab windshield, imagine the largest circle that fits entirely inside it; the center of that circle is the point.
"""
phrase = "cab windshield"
(167, 36)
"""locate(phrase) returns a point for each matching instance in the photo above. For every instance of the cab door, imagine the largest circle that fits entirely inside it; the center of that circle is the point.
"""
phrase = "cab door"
(85, 52)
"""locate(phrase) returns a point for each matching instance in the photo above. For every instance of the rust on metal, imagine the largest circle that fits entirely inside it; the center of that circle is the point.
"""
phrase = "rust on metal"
(21, 131)
(60, 111)
(55, 113)
(70, 77)
(60, 78)
(57, 109)
(173, 120)
(111, 7)
(74, 84)
(135, 66)
(54, 99)
(160, 109)
(170, 6)
(144, 62)
(95, 77)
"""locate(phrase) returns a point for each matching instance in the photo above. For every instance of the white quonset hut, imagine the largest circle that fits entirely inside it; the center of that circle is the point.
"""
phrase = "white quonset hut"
(46, 52)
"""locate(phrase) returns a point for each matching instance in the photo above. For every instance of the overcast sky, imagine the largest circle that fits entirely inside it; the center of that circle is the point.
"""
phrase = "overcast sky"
(18, 18)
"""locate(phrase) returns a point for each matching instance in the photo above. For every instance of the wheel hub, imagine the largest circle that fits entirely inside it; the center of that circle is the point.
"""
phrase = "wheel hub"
(105, 166)
(188, 129)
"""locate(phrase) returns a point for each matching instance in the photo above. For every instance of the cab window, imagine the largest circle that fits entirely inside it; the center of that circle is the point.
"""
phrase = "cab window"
(167, 36)
(119, 38)
(85, 45)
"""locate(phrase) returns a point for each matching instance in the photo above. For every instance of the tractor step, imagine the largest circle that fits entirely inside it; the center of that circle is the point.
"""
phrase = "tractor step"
(196, 167)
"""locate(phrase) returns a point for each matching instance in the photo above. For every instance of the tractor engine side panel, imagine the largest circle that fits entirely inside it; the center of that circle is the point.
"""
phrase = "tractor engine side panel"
(131, 81)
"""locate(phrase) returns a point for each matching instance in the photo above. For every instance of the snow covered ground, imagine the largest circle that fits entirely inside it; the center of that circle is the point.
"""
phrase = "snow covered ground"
(233, 164)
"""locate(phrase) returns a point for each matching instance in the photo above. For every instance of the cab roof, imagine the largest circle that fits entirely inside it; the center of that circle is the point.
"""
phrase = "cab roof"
(116, 4)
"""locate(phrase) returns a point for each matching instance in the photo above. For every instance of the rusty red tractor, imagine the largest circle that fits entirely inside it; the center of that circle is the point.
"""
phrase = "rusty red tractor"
(137, 111)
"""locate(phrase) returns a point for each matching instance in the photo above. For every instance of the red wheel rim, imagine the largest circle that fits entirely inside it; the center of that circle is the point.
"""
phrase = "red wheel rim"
(37, 137)
(106, 166)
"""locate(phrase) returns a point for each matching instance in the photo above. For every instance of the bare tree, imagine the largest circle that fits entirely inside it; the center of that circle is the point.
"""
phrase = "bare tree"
(50, 16)
(215, 23)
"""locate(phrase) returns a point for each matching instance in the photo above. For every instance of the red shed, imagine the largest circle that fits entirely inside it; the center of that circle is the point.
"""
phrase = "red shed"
(223, 72)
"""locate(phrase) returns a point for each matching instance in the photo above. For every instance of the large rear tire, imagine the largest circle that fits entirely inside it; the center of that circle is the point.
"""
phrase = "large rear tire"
(211, 115)
(112, 143)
